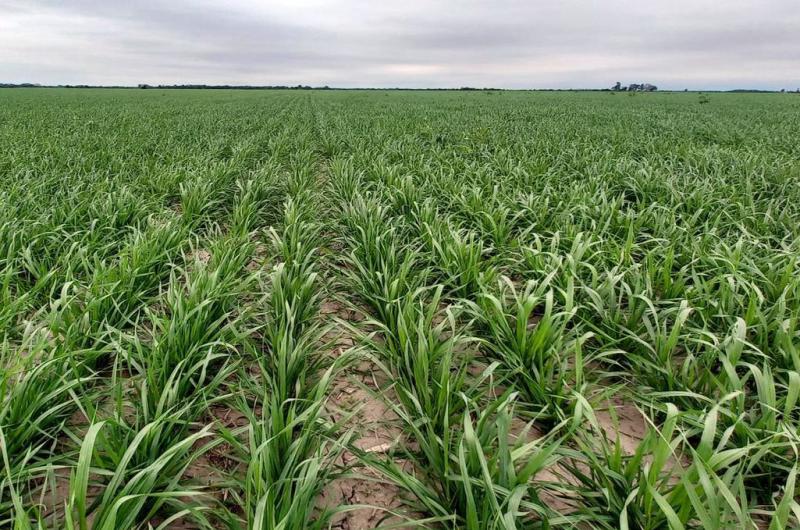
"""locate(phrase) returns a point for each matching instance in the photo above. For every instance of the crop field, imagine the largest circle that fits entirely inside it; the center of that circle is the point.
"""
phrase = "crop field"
(294, 310)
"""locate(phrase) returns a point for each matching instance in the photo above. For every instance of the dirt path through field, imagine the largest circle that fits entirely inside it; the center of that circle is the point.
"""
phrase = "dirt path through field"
(354, 400)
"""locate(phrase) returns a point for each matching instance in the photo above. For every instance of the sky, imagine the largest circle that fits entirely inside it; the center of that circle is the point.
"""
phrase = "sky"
(675, 44)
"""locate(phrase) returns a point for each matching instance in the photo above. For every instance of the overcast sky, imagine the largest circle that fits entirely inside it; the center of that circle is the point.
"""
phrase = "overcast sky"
(408, 43)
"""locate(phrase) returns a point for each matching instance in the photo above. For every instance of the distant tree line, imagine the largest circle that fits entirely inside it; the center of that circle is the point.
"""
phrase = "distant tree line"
(249, 87)
(634, 87)
(618, 87)
(39, 85)
(238, 87)
(235, 87)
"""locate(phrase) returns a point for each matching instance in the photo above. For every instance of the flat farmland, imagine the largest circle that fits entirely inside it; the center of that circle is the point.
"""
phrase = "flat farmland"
(300, 309)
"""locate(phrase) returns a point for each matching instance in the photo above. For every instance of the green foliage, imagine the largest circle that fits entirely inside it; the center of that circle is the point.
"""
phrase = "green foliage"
(171, 260)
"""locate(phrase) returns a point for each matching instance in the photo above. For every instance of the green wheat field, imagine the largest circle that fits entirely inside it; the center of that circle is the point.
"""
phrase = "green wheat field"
(392, 309)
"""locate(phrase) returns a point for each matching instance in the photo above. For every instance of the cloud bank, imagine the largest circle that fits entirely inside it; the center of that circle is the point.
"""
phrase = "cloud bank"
(675, 44)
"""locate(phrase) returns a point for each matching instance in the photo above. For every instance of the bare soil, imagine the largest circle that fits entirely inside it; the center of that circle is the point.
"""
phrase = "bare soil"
(353, 398)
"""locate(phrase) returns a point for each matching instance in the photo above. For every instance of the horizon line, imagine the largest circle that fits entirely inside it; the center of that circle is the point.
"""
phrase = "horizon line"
(210, 86)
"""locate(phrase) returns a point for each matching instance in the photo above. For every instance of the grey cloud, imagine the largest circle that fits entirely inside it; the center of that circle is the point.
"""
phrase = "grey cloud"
(510, 43)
